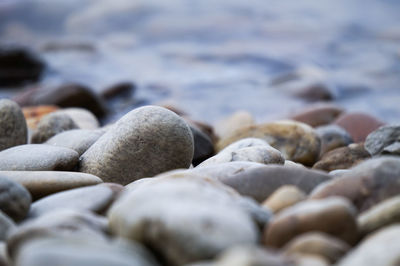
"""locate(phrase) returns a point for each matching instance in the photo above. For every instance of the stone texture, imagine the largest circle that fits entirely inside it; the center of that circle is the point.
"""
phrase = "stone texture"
(15, 200)
(145, 142)
(319, 244)
(78, 140)
(381, 248)
(392, 149)
(83, 118)
(33, 114)
(359, 125)
(248, 149)
(234, 122)
(334, 216)
(190, 219)
(13, 128)
(43, 183)
(6, 226)
(381, 138)
(93, 198)
(284, 197)
(318, 114)
(366, 184)
(382, 214)
(297, 141)
(38, 157)
(81, 251)
(332, 137)
(343, 158)
(51, 125)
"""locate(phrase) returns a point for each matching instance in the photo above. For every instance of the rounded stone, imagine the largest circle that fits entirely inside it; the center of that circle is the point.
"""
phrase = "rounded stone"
(33, 114)
(43, 183)
(6, 226)
(143, 143)
(319, 244)
(296, 141)
(284, 197)
(38, 157)
(51, 125)
(318, 114)
(332, 137)
(343, 158)
(13, 128)
(335, 216)
(78, 140)
(381, 138)
(83, 118)
(203, 146)
(15, 200)
(232, 123)
(366, 184)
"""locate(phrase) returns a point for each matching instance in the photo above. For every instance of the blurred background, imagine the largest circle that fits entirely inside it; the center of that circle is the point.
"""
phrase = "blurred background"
(209, 58)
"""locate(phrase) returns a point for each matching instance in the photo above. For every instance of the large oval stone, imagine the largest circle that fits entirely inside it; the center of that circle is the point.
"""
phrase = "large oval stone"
(297, 141)
(143, 143)
(38, 157)
(13, 128)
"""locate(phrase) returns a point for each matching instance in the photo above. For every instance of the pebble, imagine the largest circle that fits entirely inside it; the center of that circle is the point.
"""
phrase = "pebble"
(358, 125)
(248, 149)
(203, 145)
(283, 197)
(318, 114)
(381, 248)
(81, 251)
(382, 214)
(343, 158)
(15, 200)
(33, 114)
(93, 198)
(320, 244)
(379, 140)
(43, 183)
(335, 216)
(121, 89)
(190, 219)
(232, 123)
(366, 184)
(6, 226)
(38, 157)
(332, 137)
(315, 92)
(392, 149)
(143, 143)
(78, 140)
(83, 118)
(13, 128)
(51, 125)
(298, 142)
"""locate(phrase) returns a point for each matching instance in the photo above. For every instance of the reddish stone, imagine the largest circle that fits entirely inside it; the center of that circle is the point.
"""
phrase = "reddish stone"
(359, 125)
(318, 114)
(33, 114)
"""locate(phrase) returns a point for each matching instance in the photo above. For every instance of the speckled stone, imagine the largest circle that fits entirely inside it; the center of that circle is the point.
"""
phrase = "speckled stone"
(143, 143)
(15, 200)
(381, 138)
(43, 183)
(51, 125)
(13, 128)
(296, 141)
(38, 157)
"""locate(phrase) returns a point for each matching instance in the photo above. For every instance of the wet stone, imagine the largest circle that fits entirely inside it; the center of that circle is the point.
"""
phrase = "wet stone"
(38, 157)
(15, 200)
(13, 128)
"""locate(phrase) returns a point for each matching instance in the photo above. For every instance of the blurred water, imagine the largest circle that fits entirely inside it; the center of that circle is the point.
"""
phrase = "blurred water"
(212, 57)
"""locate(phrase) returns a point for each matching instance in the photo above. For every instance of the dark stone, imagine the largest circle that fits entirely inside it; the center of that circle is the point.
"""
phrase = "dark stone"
(119, 90)
(203, 146)
(15, 200)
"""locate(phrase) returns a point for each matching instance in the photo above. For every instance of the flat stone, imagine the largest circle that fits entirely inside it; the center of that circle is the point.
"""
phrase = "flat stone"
(51, 125)
(381, 248)
(248, 149)
(13, 128)
(332, 137)
(232, 123)
(43, 183)
(381, 138)
(190, 219)
(15, 200)
(78, 140)
(335, 216)
(143, 143)
(38, 157)
(366, 184)
(284, 197)
(296, 141)
(83, 251)
(318, 114)
(359, 125)
(6, 226)
(382, 214)
(343, 158)
(93, 198)
(319, 244)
